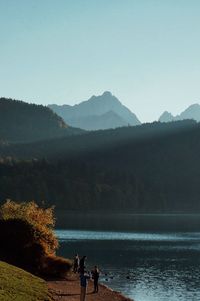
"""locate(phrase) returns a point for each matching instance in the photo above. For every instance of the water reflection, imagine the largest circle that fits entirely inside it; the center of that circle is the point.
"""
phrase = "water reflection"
(108, 221)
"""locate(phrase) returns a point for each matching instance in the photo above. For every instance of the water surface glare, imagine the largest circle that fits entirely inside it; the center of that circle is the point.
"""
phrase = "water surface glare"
(108, 235)
(143, 266)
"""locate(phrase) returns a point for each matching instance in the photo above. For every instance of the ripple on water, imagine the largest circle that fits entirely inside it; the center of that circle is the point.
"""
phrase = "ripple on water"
(143, 266)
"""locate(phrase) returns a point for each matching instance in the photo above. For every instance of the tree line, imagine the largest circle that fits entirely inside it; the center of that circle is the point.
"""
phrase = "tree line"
(149, 168)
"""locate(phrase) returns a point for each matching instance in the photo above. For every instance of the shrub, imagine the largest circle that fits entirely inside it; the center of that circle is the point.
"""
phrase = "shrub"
(56, 266)
(27, 239)
(19, 246)
(42, 219)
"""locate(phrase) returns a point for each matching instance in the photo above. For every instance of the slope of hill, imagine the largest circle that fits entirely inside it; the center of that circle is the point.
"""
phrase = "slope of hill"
(17, 284)
(149, 168)
(99, 112)
(192, 112)
(105, 121)
(23, 122)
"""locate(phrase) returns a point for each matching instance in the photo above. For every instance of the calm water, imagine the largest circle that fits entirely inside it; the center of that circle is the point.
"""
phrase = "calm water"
(143, 266)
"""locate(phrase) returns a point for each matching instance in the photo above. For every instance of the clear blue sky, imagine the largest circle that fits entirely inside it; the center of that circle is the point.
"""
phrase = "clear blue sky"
(146, 52)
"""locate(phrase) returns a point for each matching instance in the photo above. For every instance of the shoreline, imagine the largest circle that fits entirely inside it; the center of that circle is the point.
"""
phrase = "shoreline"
(69, 290)
(119, 294)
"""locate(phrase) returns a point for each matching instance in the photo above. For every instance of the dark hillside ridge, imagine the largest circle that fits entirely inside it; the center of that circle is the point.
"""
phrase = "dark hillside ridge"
(99, 112)
(95, 142)
(23, 122)
(149, 168)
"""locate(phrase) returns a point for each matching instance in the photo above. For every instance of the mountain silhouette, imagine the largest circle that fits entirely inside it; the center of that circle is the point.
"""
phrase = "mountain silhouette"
(99, 112)
(192, 112)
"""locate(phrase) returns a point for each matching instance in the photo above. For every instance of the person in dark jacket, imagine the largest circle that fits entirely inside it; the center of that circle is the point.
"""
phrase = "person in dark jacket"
(83, 283)
(82, 264)
(95, 277)
(76, 263)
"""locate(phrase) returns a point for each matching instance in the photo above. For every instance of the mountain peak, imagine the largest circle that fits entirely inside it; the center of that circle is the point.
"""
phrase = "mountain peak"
(192, 112)
(106, 97)
(107, 94)
(166, 117)
(193, 106)
(97, 106)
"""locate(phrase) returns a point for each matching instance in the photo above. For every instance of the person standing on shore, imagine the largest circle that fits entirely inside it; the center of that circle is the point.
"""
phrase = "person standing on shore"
(84, 277)
(76, 263)
(82, 264)
(95, 277)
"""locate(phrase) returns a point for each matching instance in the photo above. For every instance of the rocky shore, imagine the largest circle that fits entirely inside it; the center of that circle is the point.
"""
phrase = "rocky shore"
(69, 290)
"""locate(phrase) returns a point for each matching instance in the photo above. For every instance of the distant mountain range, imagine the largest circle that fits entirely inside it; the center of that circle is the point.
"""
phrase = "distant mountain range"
(192, 112)
(99, 112)
(21, 122)
(148, 168)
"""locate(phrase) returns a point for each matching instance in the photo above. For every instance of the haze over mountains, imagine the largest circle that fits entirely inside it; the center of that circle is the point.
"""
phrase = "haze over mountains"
(147, 168)
(99, 112)
(22, 122)
(106, 111)
(192, 112)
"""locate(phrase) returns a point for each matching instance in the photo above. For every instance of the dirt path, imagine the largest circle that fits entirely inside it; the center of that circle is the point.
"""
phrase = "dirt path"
(69, 290)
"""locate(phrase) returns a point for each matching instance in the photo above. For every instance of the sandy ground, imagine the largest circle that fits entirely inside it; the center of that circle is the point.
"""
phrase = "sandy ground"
(69, 290)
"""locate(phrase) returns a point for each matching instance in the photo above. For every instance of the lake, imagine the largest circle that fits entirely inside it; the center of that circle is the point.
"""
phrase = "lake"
(145, 256)
(118, 221)
(144, 265)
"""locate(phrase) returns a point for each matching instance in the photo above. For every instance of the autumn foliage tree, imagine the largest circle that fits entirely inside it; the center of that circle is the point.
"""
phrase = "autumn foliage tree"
(42, 219)
(28, 239)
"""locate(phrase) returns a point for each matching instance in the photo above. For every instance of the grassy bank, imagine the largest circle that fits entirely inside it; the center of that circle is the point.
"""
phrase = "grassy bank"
(18, 285)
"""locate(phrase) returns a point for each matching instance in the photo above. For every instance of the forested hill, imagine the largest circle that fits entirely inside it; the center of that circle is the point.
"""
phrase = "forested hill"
(149, 168)
(23, 122)
(97, 142)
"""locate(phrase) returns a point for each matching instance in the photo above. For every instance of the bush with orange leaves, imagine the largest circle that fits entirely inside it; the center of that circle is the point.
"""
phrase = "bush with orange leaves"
(42, 219)
(28, 240)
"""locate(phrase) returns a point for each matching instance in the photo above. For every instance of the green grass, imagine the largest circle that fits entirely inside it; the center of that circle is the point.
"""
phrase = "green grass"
(18, 285)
